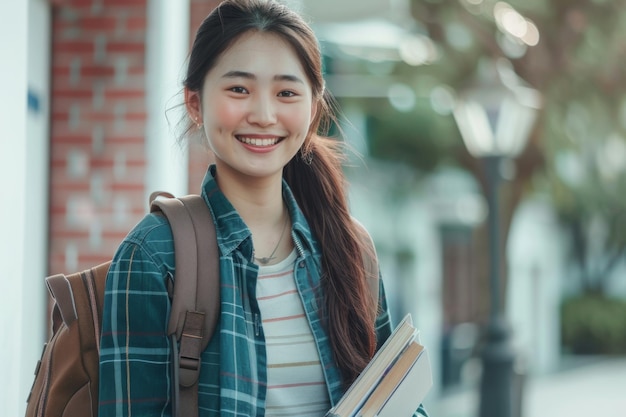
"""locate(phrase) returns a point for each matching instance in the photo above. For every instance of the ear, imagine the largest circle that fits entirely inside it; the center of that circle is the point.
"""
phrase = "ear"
(193, 103)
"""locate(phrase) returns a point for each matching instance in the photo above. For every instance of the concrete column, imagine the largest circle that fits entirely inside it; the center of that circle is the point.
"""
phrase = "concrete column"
(167, 46)
(13, 186)
(35, 297)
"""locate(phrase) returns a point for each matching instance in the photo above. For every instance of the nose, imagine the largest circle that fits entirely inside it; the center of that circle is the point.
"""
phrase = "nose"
(262, 110)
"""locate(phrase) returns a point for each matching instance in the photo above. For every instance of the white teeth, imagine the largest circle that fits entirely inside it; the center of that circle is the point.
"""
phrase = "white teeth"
(258, 142)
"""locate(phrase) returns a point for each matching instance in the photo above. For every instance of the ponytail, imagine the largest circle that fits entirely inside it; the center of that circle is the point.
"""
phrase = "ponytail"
(317, 181)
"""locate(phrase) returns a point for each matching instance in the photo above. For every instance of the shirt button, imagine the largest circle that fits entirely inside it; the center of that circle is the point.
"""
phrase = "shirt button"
(301, 264)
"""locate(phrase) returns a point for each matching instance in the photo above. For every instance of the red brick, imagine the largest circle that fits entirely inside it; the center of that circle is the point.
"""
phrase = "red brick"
(72, 234)
(79, 84)
(73, 47)
(73, 187)
(72, 139)
(126, 47)
(101, 71)
(59, 130)
(60, 71)
(58, 210)
(60, 26)
(100, 117)
(58, 164)
(86, 129)
(60, 159)
(136, 23)
(137, 187)
(125, 140)
(60, 117)
(78, 3)
(110, 163)
(116, 94)
(98, 23)
(71, 3)
(73, 94)
(126, 3)
(138, 116)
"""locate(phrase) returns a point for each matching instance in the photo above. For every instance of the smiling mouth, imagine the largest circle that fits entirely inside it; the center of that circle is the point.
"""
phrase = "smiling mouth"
(259, 142)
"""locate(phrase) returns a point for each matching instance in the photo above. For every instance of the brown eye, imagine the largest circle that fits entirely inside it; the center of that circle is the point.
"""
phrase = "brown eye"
(238, 90)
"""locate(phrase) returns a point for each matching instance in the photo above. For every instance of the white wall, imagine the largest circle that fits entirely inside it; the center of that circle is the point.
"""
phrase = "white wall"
(536, 264)
(37, 185)
(24, 39)
(13, 24)
(166, 50)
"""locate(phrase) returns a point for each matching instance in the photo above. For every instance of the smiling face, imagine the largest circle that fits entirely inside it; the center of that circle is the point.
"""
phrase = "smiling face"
(256, 105)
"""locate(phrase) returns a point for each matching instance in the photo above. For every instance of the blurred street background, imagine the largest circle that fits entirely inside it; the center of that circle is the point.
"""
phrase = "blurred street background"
(582, 388)
(487, 159)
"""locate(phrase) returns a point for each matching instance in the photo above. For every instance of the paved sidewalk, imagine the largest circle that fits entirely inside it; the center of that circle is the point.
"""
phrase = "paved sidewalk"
(588, 389)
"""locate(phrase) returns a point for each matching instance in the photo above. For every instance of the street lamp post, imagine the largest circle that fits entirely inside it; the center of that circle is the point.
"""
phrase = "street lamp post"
(495, 116)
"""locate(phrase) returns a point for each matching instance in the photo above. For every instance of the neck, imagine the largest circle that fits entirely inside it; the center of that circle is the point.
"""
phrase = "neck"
(257, 200)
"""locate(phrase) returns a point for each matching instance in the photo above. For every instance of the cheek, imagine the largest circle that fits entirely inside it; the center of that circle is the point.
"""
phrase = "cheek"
(224, 115)
(299, 119)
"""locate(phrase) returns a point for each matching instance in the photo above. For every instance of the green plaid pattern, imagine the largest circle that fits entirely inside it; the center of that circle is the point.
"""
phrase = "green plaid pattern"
(134, 358)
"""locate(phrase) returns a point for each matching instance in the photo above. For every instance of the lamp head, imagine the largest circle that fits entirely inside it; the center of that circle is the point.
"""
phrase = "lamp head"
(496, 113)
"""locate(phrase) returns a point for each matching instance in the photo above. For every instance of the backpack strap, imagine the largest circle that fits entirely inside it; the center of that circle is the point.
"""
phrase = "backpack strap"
(64, 310)
(195, 302)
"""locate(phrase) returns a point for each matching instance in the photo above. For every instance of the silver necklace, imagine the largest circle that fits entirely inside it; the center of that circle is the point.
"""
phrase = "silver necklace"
(266, 259)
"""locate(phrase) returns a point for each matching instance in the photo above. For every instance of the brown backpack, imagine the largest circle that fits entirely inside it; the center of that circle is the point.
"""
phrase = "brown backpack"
(66, 377)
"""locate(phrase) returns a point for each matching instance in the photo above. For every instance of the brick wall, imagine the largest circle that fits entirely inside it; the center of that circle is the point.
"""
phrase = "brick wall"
(98, 127)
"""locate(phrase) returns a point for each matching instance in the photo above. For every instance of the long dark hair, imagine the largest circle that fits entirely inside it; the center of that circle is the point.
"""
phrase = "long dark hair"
(315, 175)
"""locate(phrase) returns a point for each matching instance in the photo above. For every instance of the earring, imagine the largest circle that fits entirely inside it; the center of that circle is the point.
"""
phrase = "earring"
(198, 124)
(307, 157)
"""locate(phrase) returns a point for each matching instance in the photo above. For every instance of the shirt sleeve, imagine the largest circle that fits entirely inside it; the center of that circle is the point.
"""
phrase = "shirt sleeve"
(384, 329)
(134, 356)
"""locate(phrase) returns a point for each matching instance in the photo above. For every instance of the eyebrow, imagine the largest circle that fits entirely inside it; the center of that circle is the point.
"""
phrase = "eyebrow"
(250, 76)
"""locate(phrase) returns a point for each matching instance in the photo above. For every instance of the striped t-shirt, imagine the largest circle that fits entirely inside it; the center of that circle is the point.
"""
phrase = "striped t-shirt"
(295, 381)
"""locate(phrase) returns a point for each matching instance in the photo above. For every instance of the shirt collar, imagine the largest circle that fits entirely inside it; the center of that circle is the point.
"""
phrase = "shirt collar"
(232, 232)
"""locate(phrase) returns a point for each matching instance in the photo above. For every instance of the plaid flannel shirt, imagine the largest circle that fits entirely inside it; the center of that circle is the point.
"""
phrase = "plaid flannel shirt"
(135, 350)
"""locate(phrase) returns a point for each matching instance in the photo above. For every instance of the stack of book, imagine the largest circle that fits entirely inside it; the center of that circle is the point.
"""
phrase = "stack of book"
(394, 383)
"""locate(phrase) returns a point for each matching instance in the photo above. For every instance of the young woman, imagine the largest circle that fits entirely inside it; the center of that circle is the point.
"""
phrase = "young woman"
(298, 322)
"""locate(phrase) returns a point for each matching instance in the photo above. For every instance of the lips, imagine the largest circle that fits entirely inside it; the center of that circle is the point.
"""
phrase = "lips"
(260, 142)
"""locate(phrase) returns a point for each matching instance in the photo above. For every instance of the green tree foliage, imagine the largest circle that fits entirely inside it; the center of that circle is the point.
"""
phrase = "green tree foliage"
(577, 152)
